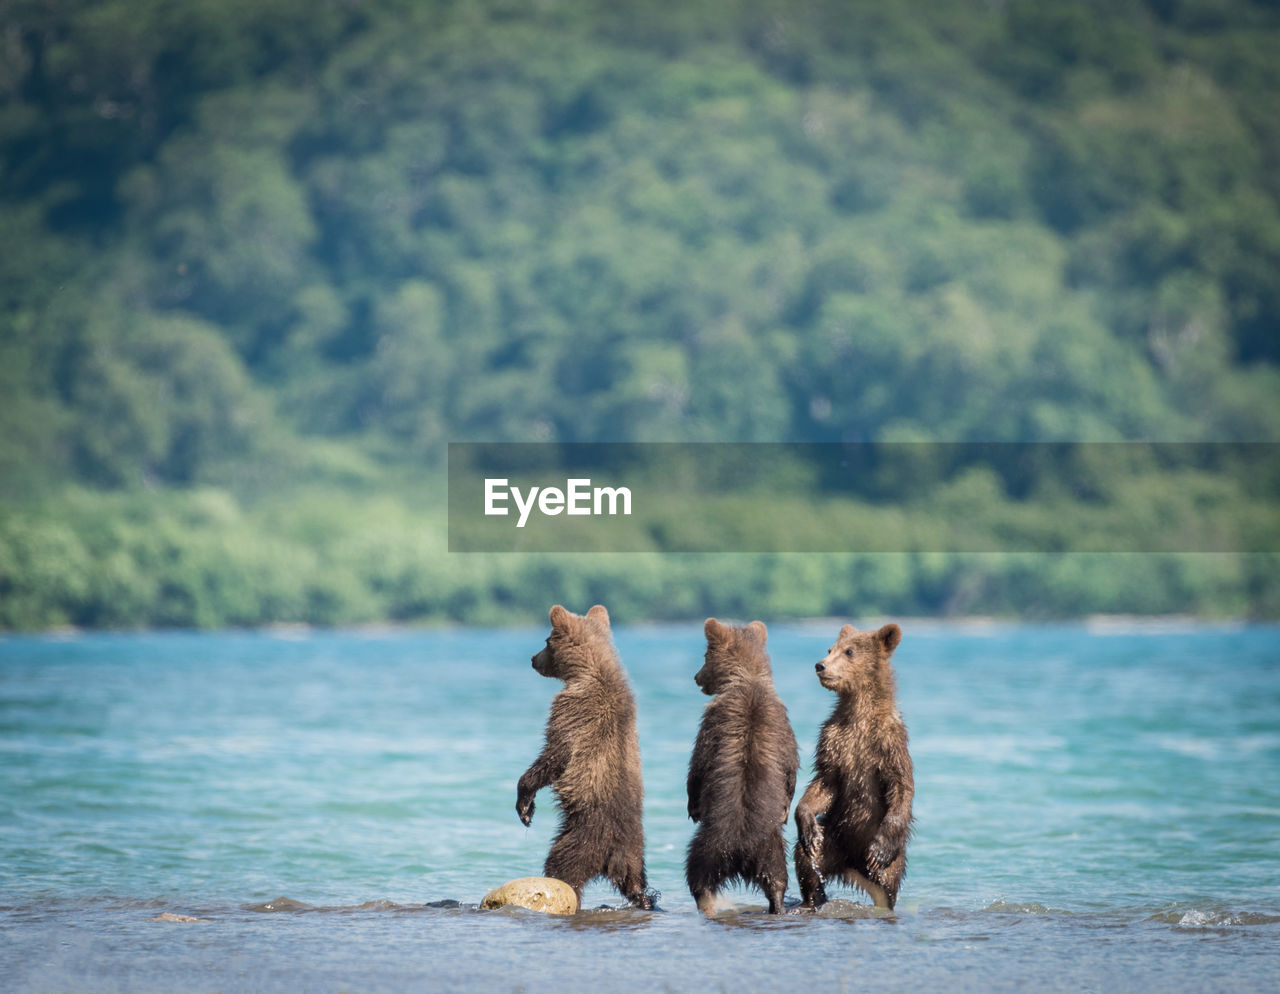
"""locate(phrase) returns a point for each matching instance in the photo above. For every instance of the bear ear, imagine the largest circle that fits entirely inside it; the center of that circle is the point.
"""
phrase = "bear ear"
(715, 631)
(559, 617)
(598, 613)
(758, 631)
(847, 631)
(889, 636)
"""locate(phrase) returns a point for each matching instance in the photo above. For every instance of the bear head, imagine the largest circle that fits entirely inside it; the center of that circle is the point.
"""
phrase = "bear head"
(732, 654)
(859, 661)
(569, 648)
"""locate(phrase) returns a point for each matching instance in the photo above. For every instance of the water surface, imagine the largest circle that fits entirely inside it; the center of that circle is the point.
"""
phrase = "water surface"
(1097, 807)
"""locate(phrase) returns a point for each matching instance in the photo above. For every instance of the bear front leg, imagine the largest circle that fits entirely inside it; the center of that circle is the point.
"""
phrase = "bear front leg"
(542, 773)
(886, 849)
(886, 866)
(808, 849)
(526, 788)
(694, 789)
(814, 803)
(702, 751)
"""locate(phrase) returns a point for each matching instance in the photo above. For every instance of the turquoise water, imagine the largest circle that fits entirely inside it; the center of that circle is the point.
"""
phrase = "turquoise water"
(1098, 807)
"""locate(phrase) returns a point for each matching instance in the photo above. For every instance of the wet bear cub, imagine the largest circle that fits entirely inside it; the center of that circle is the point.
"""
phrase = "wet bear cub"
(855, 817)
(742, 774)
(591, 760)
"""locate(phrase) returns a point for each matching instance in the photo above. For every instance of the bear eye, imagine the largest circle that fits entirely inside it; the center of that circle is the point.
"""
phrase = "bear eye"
(849, 653)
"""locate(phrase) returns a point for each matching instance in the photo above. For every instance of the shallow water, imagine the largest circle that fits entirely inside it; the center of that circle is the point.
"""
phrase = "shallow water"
(1097, 808)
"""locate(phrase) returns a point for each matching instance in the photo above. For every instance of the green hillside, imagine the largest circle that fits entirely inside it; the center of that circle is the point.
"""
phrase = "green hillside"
(261, 261)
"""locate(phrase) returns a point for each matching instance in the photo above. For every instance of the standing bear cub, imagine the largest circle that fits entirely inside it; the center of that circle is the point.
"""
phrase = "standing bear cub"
(855, 817)
(591, 760)
(742, 774)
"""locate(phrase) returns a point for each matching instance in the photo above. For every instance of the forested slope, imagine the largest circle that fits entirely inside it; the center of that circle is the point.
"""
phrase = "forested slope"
(263, 259)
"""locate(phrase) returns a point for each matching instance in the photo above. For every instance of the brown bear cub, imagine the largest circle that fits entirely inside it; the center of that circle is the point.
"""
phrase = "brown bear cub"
(855, 817)
(742, 774)
(591, 760)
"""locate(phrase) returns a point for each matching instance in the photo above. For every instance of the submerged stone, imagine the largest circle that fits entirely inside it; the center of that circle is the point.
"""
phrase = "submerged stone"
(840, 908)
(547, 894)
(282, 904)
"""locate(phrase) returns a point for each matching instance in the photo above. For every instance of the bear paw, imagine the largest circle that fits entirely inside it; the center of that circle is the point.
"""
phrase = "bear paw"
(880, 857)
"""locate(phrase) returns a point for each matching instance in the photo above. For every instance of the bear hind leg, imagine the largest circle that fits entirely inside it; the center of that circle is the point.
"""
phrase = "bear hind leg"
(882, 897)
(571, 862)
(771, 873)
(812, 893)
(775, 889)
(704, 873)
(890, 879)
(626, 872)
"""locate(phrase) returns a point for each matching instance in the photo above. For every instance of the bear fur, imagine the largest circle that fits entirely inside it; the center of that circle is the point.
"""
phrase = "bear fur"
(854, 818)
(591, 760)
(742, 774)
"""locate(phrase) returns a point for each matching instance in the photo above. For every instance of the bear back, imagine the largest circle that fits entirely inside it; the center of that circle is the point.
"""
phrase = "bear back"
(594, 714)
(745, 758)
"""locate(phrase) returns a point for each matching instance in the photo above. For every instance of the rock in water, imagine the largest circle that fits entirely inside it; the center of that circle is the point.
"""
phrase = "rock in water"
(535, 893)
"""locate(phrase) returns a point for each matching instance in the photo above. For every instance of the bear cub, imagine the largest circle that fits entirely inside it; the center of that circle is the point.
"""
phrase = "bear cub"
(591, 760)
(742, 774)
(854, 819)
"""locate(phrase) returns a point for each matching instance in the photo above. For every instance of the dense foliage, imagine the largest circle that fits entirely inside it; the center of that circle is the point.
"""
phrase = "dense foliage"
(254, 249)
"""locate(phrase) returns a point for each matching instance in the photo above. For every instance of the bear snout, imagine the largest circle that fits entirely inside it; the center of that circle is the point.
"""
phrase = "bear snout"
(820, 667)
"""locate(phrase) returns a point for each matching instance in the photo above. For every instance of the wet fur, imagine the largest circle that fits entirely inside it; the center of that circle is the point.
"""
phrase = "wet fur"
(591, 760)
(854, 819)
(742, 774)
